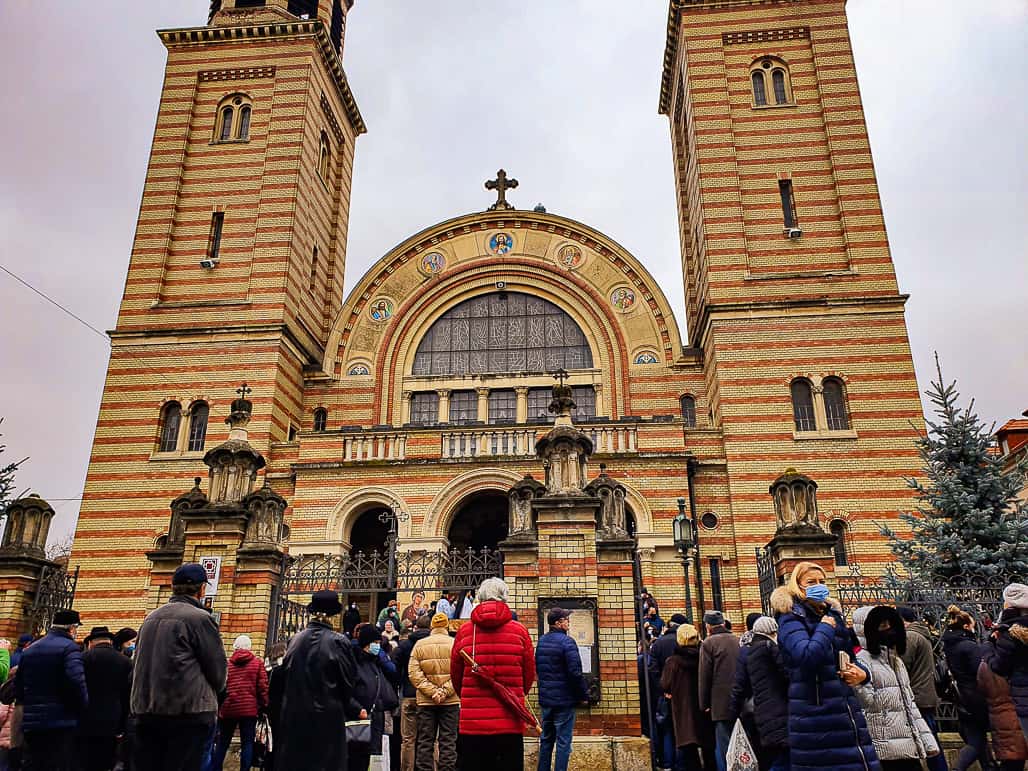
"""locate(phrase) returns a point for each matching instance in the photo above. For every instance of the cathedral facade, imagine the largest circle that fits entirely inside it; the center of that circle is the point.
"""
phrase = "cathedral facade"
(415, 402)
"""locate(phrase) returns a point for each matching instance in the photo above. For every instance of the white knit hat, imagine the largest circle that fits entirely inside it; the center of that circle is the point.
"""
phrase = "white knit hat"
(493, 589)
(765, 625)
(1016, 596)
(242, 643)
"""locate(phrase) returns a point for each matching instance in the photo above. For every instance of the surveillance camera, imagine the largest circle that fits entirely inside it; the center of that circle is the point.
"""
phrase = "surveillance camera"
(208, 263)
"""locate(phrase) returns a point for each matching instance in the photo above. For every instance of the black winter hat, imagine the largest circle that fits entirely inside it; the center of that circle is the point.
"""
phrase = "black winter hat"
(874, 619)
(368, 634)
(67, 617)
(678, 619)
(326, 602)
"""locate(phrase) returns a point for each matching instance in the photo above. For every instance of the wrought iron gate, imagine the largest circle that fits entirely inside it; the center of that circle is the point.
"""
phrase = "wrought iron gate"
(374, 572)
(55, 591)
(766, 578)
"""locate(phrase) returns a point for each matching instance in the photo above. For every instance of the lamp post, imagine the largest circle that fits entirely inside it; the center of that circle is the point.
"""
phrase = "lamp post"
(687, 541)
(683, 542)
(392, 516)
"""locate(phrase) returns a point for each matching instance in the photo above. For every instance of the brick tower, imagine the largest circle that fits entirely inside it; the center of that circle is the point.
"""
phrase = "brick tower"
(791, 294)
(236, 271)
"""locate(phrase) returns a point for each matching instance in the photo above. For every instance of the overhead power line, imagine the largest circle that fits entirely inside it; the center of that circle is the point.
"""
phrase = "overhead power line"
(56, 304)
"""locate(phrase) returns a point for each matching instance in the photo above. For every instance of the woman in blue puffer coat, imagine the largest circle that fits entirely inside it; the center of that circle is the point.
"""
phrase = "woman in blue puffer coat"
(826, 724)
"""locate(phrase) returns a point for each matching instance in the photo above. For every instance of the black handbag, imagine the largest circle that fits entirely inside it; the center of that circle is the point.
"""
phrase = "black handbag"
(359, 731)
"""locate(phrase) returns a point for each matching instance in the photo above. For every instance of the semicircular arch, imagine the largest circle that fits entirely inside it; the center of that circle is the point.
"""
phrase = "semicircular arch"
(348, 510)
(449, 499)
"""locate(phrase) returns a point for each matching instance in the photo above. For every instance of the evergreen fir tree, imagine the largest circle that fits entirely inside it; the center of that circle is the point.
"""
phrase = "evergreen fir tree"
(6, 481)
(968, 519)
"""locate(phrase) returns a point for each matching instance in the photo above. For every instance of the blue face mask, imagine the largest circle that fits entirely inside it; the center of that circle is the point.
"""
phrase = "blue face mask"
(374, 649)
(817, 592)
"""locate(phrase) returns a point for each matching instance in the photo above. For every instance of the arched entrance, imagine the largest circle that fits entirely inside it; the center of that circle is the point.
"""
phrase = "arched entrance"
(480, 521)
(369, 535)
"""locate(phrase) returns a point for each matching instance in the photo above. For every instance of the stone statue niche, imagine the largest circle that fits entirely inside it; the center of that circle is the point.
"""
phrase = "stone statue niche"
(192, 500)
(565, 453)
(611, 519)
(521, 495)
(234, 464)
(264, 528)
(795, 501)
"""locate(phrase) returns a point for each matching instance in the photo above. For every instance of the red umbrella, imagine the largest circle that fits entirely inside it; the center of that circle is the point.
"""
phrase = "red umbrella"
(506, 696)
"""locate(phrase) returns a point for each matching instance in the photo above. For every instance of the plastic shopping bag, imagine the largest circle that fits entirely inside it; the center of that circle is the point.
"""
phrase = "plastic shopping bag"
(740, 755)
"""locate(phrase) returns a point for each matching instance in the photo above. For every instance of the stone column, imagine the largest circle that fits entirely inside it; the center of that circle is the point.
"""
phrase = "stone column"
(522, 405)
(405, 400)
(444, 405)
(483, 404)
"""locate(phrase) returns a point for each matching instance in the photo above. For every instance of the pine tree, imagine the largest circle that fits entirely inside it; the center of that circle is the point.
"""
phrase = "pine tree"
(6, 481)
(968, 519)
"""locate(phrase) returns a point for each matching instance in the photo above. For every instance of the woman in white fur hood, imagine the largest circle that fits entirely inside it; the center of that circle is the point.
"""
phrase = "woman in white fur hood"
(901, 737)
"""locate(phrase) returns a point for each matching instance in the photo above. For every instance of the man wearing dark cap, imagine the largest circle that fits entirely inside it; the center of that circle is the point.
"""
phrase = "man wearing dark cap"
(51, 687)
(319, 679)
(109, 681)
(719, 654)
(180, 669)
(558, 665)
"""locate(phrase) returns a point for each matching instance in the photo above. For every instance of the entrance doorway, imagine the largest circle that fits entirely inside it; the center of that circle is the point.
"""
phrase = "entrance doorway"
(369, 534)
(480, 522)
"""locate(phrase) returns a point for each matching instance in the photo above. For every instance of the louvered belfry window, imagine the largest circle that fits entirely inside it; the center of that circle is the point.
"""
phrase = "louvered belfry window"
(502, 332)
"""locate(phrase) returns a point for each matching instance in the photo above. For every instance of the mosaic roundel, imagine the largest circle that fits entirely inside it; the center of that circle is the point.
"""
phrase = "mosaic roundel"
(623, 298)
(646, 357)
(501, 243)
(381, 309)
(359, 369)
(570, 256)
(433, 263)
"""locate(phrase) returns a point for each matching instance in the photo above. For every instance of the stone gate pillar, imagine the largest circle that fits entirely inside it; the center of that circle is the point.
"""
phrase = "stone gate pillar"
(22, 562)
(799, 536)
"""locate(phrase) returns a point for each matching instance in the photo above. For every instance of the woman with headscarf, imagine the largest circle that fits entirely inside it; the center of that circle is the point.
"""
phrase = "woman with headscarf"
(679, 680)
(760, 676)
(901, 736)
(826, 724)
(374, 694)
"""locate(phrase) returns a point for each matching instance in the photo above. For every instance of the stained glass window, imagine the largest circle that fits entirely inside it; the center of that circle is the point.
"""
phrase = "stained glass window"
(689, 411)
(424, 408)
(502, 332)
(503, 406)
(463, 407)
(320, 419)
(778, 83)
(759, 89)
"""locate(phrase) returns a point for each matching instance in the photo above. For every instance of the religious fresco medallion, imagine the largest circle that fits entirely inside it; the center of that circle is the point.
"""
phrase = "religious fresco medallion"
(432, 263)
(501, 243)
(623, 298)
(646, 357)
(358, 369)
(570, 256)
(381, 309)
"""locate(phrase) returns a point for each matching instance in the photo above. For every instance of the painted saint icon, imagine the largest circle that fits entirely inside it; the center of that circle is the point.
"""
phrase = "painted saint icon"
(622, 298)
(570, 256)
(646, 357)
(359, 369)
(381, 309)
(433, 263)
(500, 243)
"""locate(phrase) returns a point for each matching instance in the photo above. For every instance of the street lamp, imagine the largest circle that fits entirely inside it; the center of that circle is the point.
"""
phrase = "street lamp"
(392, 516)
(687, 542)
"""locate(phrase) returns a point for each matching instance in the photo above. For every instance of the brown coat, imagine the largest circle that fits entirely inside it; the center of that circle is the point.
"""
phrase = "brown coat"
(718, 656)
(680, 678)
(1008, 741)
(429, 668)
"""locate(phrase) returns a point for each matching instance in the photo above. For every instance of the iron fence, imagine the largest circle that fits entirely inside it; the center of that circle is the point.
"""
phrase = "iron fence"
(55, 591)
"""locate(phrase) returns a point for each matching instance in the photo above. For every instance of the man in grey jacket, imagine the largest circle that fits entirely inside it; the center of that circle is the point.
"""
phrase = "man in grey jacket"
(718, 656)
(919, 659)
(180, 668)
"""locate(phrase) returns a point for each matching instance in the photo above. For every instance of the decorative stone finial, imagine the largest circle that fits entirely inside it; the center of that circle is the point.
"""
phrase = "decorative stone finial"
(234, 464)
(264, 529)
(28, 525)
(562, 403)
(795, 500)
(240, 414)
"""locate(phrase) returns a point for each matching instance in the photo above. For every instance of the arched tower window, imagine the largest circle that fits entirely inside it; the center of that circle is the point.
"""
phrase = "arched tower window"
(320, 419)
(803, 405)
(835, 405)
(688, 411)
(198, 415)
(323, 157)
(838, 529)
(171, 419)
(502, 332)
(233, 119)
(781, 85)
(759, 89)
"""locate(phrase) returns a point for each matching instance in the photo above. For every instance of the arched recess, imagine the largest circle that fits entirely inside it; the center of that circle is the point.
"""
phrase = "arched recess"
(635, 501)
(349, 509)
(448, 500)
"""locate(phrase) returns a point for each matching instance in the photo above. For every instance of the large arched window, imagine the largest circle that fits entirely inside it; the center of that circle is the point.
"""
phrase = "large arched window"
(198, 415)
(502, 332)
(835, 405)
(171, 419)
(688, 411)
(803, 405)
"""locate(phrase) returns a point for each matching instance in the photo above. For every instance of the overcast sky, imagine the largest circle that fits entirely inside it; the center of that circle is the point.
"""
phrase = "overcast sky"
(563, 94)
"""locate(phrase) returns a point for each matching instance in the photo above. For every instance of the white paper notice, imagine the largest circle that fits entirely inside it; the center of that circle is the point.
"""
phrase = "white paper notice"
(586, 653)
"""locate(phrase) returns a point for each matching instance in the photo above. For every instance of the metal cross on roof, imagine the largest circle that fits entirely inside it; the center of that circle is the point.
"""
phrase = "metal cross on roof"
(243, 390)
(561, 375)
(501, 185)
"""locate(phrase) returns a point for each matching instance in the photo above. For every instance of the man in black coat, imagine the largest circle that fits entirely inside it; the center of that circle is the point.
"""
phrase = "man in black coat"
(661, 650)
(408, 693)
(319, 674)
(109, 682)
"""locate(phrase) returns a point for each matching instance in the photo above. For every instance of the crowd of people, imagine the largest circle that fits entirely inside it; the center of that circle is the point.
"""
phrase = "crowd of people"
(417, 692)
(810, 691)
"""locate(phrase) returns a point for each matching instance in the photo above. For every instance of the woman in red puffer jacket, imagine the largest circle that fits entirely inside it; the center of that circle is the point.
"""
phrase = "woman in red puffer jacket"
(247, 698)
(491, 734)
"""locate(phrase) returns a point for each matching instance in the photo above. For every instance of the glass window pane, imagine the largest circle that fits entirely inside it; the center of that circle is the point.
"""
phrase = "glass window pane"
(778, 83)
(320, 419)
(835, 406)
(689, 411)
(169, 427)
(198, 427)
(463, 407)
(803, 406)
(538, 405)
(503, 406)
(838, 529)
(226, 123)
(502, 332)
(424, 408)
(244, 122)
(759, 91)
(585, 402)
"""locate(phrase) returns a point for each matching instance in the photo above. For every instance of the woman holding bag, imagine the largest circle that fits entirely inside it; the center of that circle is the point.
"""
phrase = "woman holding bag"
(373, 695)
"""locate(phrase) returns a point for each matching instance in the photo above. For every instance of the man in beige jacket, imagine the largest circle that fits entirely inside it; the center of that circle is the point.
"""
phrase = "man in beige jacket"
(438, 703)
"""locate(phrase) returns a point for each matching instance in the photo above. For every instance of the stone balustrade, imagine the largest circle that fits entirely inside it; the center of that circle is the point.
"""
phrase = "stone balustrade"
(375, 446)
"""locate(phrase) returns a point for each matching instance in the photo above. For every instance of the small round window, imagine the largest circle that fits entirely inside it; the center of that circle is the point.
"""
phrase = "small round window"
(709, 520)
(237, 101)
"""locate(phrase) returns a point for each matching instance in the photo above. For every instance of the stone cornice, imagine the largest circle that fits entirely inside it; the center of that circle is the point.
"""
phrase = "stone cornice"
(189, 36)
